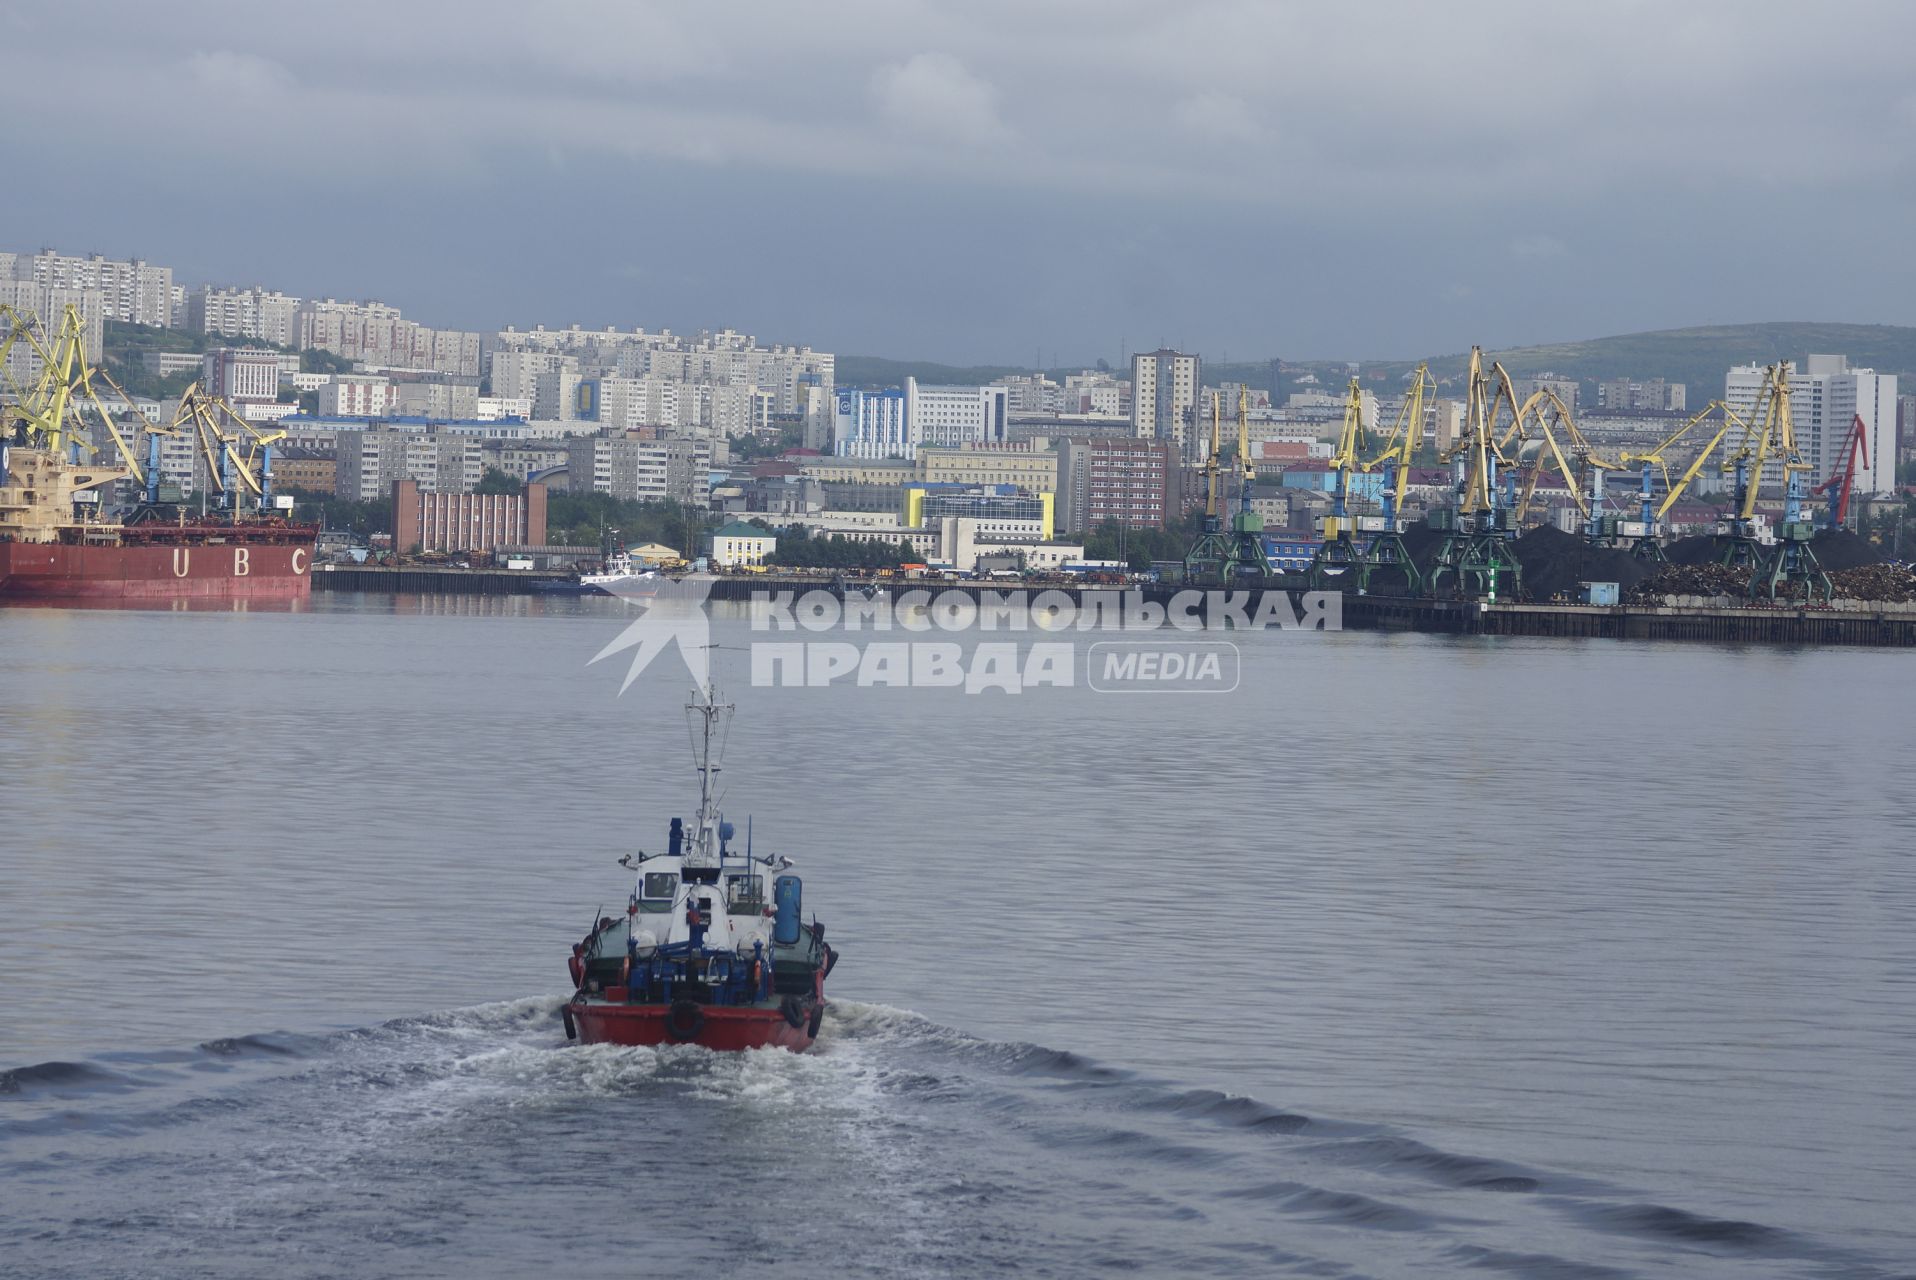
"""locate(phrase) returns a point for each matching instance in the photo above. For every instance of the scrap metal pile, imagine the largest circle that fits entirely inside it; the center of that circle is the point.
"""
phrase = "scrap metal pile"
(1688, 583)
(1889, 583)
(1692, 580)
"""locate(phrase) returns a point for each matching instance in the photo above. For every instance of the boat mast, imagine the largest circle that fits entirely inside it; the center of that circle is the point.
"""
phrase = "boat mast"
(706, 755)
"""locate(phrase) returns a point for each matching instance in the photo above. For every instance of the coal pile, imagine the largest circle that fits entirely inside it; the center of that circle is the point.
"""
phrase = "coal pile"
(1841, 549)
(1885, 583)
(1555, 562)
(1423, 543)
(1705, 580)
(1691, 551)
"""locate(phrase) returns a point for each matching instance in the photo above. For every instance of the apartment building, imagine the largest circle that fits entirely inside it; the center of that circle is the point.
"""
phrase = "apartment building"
(368, 463)
(131, 291)
(1164, 387)
(253, 314)
(639, 470)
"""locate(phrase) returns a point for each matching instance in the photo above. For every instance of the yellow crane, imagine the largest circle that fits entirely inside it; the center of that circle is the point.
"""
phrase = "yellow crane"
(1400, 446)
(52, 411)
(238, 451)
(1652, 515)
(1235, 554)
(1581, 464)
(1337, 551)
(1210, 466)
(1378, 544)
(1779, 556)
(1476, 558)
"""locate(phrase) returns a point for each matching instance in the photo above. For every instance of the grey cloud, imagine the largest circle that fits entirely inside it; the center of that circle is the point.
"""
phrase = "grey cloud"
(1412, 143)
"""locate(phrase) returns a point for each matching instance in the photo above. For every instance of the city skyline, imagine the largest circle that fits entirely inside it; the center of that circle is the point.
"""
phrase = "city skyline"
(980, 185)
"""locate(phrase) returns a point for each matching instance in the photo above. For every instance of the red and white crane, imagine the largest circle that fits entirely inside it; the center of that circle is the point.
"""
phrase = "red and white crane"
(1843, 479)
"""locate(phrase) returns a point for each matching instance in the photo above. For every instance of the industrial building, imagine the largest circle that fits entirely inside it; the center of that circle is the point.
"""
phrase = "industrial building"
(426, 520)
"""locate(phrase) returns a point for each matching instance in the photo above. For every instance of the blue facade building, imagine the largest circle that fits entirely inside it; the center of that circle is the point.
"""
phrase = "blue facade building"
(871, 424)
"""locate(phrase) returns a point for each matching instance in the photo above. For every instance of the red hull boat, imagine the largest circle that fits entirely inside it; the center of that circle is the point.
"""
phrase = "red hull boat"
(167, 562)
(53, 546)
(610, 1022)
(703, 955)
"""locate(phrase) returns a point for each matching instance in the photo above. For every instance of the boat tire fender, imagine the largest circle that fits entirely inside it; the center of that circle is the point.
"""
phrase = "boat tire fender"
(684, 1020)
(831, 960)
(818, 1016)
(794, 1011)
(565, 1015)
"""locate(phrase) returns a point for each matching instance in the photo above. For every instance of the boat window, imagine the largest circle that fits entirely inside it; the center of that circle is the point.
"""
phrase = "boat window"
(655, 893)
(745, 893)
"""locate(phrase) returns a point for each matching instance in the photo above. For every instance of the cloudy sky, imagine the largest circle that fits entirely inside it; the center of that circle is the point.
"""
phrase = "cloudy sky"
(991, 180)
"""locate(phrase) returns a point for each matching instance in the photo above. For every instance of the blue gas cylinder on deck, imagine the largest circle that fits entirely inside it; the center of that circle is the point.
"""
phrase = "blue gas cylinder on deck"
(786, 895)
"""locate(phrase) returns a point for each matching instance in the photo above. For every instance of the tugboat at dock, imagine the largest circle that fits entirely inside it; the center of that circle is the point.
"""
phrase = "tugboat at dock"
(703, 954)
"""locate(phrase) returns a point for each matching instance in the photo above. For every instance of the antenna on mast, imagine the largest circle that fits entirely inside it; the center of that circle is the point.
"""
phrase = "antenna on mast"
(706, 754)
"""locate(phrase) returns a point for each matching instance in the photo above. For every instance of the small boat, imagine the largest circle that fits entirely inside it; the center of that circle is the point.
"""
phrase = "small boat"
(703, 954)
(618, 573)
(618, 577)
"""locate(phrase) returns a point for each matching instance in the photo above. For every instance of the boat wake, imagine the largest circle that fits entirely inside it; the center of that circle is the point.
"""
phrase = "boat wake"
(470, 1135)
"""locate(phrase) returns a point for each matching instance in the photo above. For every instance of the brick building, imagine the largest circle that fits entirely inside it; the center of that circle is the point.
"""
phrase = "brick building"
(1133, 481)
(431, 521)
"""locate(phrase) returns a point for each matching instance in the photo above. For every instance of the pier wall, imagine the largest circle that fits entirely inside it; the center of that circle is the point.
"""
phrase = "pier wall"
(1893, 627)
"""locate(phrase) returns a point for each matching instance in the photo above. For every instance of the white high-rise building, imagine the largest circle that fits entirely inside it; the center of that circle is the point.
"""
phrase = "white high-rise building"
(355, 395)
(1826, 397)
(132, 291)
(1164, 386)
(947, 417)
(262, 315)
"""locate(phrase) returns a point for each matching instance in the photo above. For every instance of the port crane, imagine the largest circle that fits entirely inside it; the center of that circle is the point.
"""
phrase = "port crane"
(1476, 556)
(1835, 491)
(1582, 466)
(1387, 550)
(1206, 557)
(1780, 556)
(1339, 552)
(1378, 544)
(1643, 535)
(1231, 547)
(238, 452)
(51, 413)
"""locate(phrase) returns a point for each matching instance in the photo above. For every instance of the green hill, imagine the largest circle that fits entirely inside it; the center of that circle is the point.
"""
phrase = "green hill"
(1696, 357)
(876, 371)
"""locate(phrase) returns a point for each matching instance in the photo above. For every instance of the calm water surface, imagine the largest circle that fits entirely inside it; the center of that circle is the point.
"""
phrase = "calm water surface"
(1415, 956)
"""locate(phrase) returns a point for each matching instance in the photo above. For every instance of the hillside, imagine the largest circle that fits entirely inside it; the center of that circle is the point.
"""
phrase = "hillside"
(1697, 357)
(876, 371)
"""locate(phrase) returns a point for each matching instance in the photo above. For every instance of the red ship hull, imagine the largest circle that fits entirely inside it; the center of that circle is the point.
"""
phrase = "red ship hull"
(156, 571)
(724, 1029)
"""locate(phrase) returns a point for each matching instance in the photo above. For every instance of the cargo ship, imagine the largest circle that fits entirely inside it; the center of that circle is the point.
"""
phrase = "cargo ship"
(55, 546)
(702, 953)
